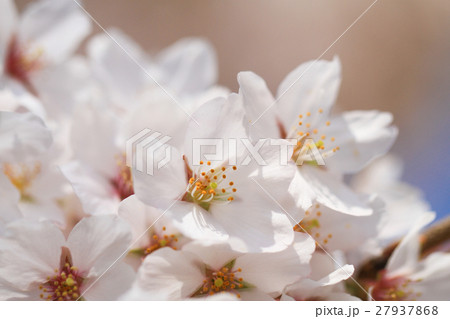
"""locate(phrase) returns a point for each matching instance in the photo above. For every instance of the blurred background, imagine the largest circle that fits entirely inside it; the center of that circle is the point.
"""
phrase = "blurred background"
(395, 58)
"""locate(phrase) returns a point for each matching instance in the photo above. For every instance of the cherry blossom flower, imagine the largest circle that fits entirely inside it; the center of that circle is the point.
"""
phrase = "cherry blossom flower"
(38, 263)
(333, 230)
(151, 230)
(217, 199)
(45, 34)
(302, 110)
(203, 269)
(408, 277)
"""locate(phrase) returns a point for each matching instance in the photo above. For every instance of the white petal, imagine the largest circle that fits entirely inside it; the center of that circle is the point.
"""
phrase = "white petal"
(170, 274)
(255, 294)
(188, 67)
(361, 136)
(433, 274)
(157, 111)
(95, 191)
(405, 204)
(311, 86)
(143, 219)
(16, 98)
(97, 242)
(122, 77)
(8, 23)
(213, 254)
(22, 137)
(41, 210)
(195, 222)
(255, 223)
(301, 192)
(98, 150)
(336, 231)
(257, 101)
(64, 87)
(271, 272)
(56, 27)
(8, 202)
(333, 193)
(117, 280)
(30, 253)
(167, 184)
(218, 120)
(224, 296)
(406, 256)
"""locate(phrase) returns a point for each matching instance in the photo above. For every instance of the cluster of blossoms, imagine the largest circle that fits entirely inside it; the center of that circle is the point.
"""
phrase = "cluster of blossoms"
(77, 223)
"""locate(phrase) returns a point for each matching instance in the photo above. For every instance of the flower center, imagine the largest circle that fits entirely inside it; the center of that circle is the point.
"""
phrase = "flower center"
(393, 289)
(311, 225)
(312, 145)
(20, 62)
(210, 185)
(63, 286)
(22, 176)
(160, 241)
(123, 182)
(223, 280)
(157, 240)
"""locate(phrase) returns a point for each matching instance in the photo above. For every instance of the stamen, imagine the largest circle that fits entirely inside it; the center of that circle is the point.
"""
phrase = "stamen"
(202, 186)
(222, 280)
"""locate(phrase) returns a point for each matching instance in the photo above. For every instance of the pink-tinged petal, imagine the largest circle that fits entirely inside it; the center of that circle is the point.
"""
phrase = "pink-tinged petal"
(271, 272)
(257, 101)
(10, 292)
(188, 66)
(22, 137)
(55, 27)
(361, 136)
(97, 242)
(95, 191)
(30, 252)
(311, 86)
(116, 281)
(333, 193)
(170, 275)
